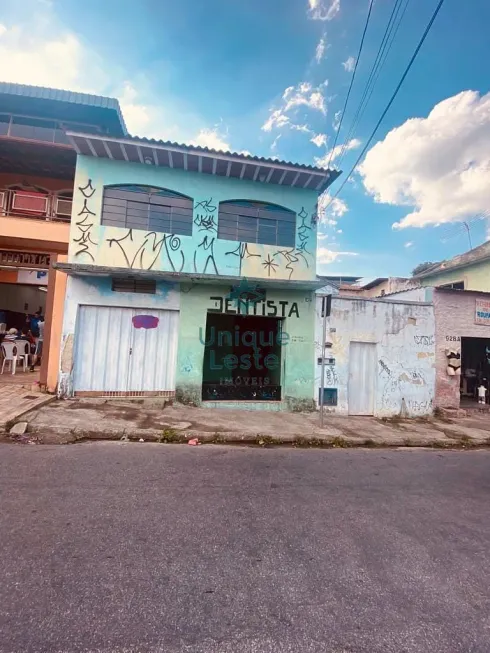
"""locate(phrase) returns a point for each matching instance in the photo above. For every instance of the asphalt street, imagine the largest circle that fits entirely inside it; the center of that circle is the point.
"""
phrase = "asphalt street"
(141, 548)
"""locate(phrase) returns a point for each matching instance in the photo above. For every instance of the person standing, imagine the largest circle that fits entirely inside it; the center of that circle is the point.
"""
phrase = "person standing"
(39, 343)
(482, 393)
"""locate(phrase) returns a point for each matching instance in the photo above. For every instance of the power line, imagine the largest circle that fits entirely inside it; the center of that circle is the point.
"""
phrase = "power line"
(376, 71)
(392, 99)
(351, 81)
(374, 68)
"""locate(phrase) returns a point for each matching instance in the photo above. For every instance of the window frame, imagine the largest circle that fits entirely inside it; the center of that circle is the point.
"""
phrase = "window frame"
(170, 212)
(252, 221)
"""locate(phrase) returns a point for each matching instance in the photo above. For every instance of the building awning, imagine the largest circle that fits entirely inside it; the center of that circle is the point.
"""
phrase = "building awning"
(81, 269)
(165, 154)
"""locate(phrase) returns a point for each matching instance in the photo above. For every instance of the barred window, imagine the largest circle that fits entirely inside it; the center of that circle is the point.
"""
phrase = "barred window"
(256, 222)
(147, 208)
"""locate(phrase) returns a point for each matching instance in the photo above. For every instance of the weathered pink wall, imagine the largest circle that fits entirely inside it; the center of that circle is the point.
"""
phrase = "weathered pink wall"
(455, 318)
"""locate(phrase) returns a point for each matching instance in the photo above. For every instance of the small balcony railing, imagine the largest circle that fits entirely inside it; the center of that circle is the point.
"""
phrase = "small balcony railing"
(32, 204)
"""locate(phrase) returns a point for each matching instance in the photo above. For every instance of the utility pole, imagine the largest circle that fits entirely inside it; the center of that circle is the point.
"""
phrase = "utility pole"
(326, 307)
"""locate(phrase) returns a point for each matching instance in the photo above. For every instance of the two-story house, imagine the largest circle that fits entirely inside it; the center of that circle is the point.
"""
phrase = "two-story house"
(37, 170)
(191, 273)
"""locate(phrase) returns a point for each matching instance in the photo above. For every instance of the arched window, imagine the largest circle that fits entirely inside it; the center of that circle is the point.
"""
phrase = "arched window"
(256, 222)
(147, 208)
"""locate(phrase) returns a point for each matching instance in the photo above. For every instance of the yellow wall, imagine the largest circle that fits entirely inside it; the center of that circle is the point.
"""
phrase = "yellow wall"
(475, 277)
(52, 236)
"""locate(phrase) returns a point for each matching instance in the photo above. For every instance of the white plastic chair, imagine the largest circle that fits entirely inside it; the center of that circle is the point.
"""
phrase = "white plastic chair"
(23, 352)
(9, 351)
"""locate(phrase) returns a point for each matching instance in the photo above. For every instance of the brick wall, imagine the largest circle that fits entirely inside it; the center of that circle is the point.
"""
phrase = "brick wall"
(455, 318)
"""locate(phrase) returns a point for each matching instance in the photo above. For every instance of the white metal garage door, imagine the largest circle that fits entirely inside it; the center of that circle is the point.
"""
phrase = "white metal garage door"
(125, 350)
(362, 378)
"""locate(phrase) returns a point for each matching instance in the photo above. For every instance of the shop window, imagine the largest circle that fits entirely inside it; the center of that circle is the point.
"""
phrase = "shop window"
(147, 208)
(256, 222)
(142, 286)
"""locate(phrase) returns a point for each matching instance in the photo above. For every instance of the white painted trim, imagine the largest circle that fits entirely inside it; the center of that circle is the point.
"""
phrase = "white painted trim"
(106, 148)
(155, 156)
(140, 154)
(293, 183)
(215, 164)
(271, 172)
(228, 168)
(123, 150)
(91, 148)
(170, 159)
(282, 177)
(199, 163)
(256, 173)
(75, 145)
(185, 160)
(242, 171)
(307, 182)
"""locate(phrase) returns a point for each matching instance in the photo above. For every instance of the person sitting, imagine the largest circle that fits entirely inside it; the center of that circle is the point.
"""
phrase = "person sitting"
(11, 335)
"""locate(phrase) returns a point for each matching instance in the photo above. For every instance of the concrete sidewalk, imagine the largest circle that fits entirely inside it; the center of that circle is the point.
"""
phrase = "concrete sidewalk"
(75, 420)
(16, 400)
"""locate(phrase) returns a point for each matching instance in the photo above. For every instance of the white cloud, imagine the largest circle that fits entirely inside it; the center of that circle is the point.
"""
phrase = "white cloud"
(336, 120)
(323, 9)
(41, 51)
(349, 64)
(211, 138)
(276, 119)
(408, 244)
(330, 156)
(275, 142)
(301, 128)
(325, 256)
(440, 165)
(319, 139)
(301, 95)
(330, 210)
(320, 49)
(322, 236)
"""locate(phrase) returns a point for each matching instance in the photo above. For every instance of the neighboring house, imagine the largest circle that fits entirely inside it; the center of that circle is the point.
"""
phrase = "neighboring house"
(191, 273)
(379, 356)
(377, 287)
(37, 169)
(468, 271)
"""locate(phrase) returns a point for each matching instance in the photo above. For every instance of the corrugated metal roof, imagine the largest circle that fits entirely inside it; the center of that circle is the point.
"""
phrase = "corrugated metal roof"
(45, 93)
(238, 155)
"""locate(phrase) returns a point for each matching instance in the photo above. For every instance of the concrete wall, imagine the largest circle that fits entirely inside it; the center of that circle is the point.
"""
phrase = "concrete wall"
(203, 252)
(97, 291)
(475, 276)
(404, 338)
(455, 319)
(297, 379)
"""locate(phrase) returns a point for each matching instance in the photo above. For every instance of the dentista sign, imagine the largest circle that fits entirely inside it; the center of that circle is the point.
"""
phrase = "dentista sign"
(264, 308)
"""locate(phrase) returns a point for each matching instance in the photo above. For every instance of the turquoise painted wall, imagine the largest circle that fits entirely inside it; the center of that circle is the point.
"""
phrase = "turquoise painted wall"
(297, 371)
(203, 252)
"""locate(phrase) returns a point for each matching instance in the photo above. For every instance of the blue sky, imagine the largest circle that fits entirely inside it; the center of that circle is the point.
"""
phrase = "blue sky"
(269, 76)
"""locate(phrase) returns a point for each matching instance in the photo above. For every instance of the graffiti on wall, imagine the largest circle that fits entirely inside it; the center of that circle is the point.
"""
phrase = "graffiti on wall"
(141, 250)
(403, 387)
(84, 224)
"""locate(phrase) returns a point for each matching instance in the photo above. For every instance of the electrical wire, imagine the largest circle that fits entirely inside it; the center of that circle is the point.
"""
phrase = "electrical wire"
(381, 57)
(374, 68)
(371, 3)
(392, 99)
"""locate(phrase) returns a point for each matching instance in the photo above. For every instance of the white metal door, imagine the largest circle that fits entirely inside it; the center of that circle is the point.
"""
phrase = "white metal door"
(115, 353)
(362, 378)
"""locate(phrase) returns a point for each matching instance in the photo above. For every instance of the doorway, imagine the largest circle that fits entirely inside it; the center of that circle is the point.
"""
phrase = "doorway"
(362, 378)
(242, 358)
(475, 369)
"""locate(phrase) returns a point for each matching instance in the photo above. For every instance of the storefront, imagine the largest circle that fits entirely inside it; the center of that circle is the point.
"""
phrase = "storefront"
(462, 346)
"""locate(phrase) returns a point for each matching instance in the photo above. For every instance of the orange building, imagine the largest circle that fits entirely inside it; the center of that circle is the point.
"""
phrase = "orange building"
(37, 170)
